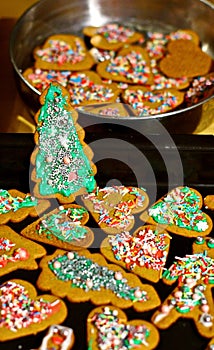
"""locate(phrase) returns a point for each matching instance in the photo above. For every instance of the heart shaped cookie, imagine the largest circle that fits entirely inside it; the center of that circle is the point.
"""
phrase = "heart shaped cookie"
(111, 36)
(180, 212)
(63, 52)
(113, 208)
(81, 276)
(131, 65)
(185, 58)
(107, 326)
(192, 298)
(144, 101)
(63, 227)
(15, 206)
(24, 313)
(17, 252)
(144, 252)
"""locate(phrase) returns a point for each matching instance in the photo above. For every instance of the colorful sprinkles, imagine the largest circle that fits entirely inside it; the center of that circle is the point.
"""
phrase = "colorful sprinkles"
(114, 32)
(113, 334)
(18, 310)
(181, 208)
(145, 249)
(84, 273)
(65, 224)
(9, 203)
(18, 254)
(61, 163)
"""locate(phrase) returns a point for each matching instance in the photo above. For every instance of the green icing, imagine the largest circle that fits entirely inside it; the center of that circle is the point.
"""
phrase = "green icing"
(61, 163)
(181, 208)
(81, 270)
(65, 225)
(9, 203)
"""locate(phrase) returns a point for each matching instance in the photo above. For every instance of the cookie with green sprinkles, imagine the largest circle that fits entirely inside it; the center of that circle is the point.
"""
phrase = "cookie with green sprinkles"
(23, 312)
(63, 52)
(62, 166)
(192, 298)
(17, 252)
(64, 227)
(204, 244)
(144, 252)
(81, 276)
(179, 212)
(131, 65)
(15, 206)
(111, 36)
(108, 327)
(114, 207)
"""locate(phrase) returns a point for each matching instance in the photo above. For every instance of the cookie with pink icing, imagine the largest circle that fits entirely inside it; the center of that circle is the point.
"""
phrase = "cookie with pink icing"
(23, 312)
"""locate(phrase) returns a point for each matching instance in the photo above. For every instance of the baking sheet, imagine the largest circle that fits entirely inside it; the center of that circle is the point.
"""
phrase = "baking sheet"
(196, 154)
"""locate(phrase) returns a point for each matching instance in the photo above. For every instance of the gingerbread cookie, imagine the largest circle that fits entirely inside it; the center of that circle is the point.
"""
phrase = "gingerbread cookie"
(184, 34)
(82, 276)
(179, 212)
(63, 52)
(108, 327)
(203, 244)
(62, 166)
(58, 337)
(131, 65)
(110, 110)
(17, 252)
(185, 58)
(24, 313)
(209, 201)
(201, 87)
(192, 298)
(88, 88)
(144, 101)
(41, 78)
(113, 208)
(144, 252)
(111, 36)
(15, 206)
(63, 227)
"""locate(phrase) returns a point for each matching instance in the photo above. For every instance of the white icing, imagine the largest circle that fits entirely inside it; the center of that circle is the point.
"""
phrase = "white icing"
(66, 343)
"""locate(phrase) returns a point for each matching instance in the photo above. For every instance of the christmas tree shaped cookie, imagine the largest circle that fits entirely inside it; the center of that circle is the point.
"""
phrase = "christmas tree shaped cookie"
(179, 212)
(192, 298)
(24, 313)
(63, 227)
(15, 206)
(108, 328)
(81, 276)
(17, 252)
(61, 160)
(144, 252)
